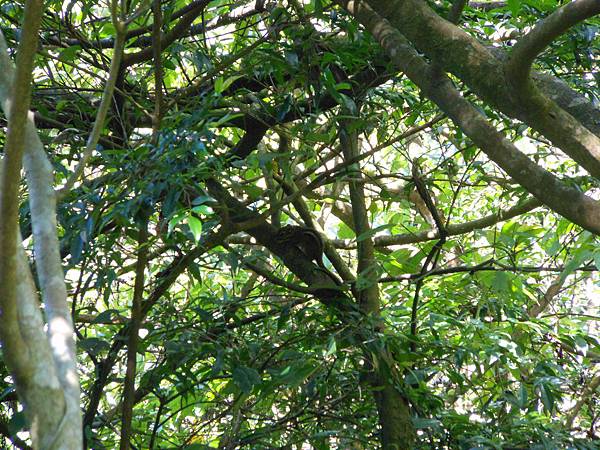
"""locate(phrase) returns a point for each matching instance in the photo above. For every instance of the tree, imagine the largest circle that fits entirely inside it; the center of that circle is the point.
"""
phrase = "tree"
(444, 157)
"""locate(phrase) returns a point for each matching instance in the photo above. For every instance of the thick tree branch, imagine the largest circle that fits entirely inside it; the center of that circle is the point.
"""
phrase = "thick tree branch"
(290, 188)
(459, 53)
(16, 108)
(533, 43)
(546, 187)
(393, 408)
(571, 101)
(50, 396)
(326, 290)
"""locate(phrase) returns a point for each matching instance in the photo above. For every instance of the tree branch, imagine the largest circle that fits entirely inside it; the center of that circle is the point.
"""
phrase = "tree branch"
(462, 55)
(44, 370)
(164, 280)
(16, 108)
(107, 95)
(533, 43)
(546, 187)
(589, 390)
(133, 338)
(168, 38)
(326, 290)
(457, 229)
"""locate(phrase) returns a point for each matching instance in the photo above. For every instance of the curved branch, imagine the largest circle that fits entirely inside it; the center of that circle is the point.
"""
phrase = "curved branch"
(107, 96)
(458, 229)
(462, 55)
(168, 38)
(546, 187)
(588, 392)
(533, 43)
(326, 290)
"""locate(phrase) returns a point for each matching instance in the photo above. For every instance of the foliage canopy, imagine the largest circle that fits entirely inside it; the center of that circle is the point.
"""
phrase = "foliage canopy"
(467, 311)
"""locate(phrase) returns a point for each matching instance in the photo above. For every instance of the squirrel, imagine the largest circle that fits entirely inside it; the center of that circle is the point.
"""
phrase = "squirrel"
(309, 242)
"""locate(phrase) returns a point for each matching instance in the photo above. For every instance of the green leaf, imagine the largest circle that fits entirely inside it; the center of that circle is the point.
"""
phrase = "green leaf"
(169, 64)
(317, 7)
(221, 84)
(69, 53)
(245, 378)
(198, 447)
(195, 225)
(371, 232)
(201, 199)
(343, 86)
(194, 270)
(294, 374)
(175, 220)
(523, 396)
(107, 29)
(224, 119)
(575, 263)
(546, 396)
(254, 192)
(318, 137)
(421, 423)
(501, 282)
(107, 316)
(331, 346)
(597, 259)
(514, 6)
(94, 345)
(292, 59)
(581, 344)
(202, 209)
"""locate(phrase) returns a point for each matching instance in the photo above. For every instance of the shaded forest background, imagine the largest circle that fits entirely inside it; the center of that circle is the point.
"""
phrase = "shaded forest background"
(441, 159)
